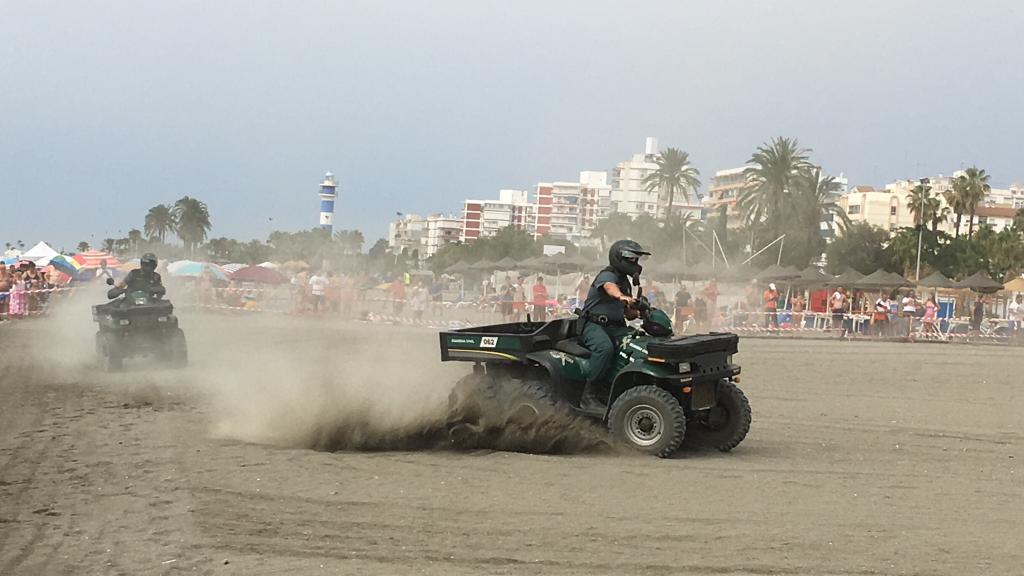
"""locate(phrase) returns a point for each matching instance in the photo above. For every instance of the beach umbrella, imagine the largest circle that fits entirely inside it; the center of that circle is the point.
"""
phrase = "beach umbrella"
(232, 267)
(258, 275)
(66, 265)
(847, 278)
(483, 265)
(93, 258)
(812, 276)
(980, 282)
(506, 264)
(537, 263)
(189, 269)
(899, 281)
(268, 265)
(776, 273)
(1015, 285)
(936, 280)
(877, 280)
(460, 267)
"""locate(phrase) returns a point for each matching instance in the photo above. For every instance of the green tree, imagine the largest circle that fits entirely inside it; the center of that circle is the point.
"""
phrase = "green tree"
(673, 175)
(977, 187)
(109, 244)
(83, 246)
(193, 222)
(774, 175)
(1018, 220)
(159, 222)
(813, 203)
(349, 241)
(861, 246)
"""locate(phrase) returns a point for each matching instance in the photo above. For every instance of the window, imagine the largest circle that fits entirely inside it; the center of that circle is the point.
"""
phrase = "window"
(854, 209)
(892, 210)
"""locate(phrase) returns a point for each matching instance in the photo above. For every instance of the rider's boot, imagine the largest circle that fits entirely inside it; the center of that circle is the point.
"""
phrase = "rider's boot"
(591, 400)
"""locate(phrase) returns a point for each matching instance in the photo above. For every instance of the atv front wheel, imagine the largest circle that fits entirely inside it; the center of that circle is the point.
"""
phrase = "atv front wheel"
(177, 349)
(724, 426)
(106, 352)
(649, 419)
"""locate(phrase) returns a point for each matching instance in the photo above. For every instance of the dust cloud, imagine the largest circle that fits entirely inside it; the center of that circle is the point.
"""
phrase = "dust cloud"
(314, 383)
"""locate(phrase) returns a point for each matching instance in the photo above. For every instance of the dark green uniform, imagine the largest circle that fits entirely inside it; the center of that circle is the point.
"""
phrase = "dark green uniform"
(604, 323)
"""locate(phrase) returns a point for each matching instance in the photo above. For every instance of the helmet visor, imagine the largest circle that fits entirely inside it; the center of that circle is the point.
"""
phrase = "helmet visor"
(634, 254)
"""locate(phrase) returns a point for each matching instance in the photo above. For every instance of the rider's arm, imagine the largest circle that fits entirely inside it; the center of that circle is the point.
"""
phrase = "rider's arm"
(612, 289)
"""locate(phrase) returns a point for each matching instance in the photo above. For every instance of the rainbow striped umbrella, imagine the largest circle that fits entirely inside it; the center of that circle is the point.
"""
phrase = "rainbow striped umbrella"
(68, 266)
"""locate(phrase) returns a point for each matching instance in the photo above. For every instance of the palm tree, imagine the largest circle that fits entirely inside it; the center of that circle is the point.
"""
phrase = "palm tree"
(977, 187)
(1018, 220)
(159, 221)
(814, 202)
(193, 220)
(772, 180)
(674, 174)
(108, 245)
(957, 198)
(83, 246)
(927, 209)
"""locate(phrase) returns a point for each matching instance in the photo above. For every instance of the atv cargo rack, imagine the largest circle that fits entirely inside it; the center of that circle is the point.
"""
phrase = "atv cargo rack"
(504, 342)
(686, 347)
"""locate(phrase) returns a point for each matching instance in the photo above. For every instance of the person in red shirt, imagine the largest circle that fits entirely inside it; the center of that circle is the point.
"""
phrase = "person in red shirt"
(771, 305)
(540, 300)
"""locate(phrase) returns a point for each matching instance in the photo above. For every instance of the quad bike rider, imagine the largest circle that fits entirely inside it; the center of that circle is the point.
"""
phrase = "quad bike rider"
(138, 320)
(654, 391)
(602, 320)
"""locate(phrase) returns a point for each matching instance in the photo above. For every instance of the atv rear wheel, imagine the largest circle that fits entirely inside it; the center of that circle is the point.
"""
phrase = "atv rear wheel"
(648, 419)
(724, 426)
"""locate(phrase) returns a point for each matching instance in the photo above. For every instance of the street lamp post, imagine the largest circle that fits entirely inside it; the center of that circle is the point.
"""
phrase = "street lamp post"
(920, 227)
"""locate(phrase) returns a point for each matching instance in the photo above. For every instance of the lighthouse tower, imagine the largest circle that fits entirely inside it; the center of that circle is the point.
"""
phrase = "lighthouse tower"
(328, 192)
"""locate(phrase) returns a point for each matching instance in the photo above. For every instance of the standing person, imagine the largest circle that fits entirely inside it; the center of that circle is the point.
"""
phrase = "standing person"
(771, 305)
(880, 316)
(602, 320)
(682, 301)
(5, 289)
(799, 305)
(710, 294)
(103, 272)
(837, 304)
(519, 298)
(1015, 313)
(928, 327)
(419, 300)
(908, 310)
(540, 300)
(581, 290)
(18, 303)
(977, 315)
(505, 297)
(397, 295)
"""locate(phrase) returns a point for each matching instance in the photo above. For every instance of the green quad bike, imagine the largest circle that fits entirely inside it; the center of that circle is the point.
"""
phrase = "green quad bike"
(138, 323)
(667, 392)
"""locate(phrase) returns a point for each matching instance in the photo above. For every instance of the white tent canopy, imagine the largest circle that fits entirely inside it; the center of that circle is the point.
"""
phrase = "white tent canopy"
(41, 254)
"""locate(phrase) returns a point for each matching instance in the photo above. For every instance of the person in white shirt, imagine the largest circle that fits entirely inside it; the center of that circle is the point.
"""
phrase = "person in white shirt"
(317, 288)
(908, 309)
(1015, 314)
(837, 303)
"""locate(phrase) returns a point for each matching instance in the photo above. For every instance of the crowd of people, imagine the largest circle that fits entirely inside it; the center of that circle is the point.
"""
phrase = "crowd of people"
(24, 290)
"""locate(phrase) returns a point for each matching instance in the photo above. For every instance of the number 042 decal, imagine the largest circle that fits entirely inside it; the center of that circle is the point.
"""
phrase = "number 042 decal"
(488, 342)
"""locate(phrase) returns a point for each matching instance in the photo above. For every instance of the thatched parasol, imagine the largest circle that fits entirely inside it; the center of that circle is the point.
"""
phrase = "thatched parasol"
(980, 282)
(936, 280)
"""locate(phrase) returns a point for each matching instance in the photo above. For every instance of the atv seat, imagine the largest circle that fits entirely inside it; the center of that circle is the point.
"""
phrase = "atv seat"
(572, 347)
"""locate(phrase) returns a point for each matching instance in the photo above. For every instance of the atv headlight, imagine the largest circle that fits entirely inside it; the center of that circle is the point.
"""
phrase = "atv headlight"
(684, 367)
(124, 322)
(140, 301)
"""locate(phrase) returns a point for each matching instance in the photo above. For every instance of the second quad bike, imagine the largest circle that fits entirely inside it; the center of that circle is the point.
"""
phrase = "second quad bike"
(667, 392)
(138, 323)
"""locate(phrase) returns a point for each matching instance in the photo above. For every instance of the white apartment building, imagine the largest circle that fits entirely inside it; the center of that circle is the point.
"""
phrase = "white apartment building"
(571, 210)
(482, 218)
(441, 229)
(630, 196)
(414, 234)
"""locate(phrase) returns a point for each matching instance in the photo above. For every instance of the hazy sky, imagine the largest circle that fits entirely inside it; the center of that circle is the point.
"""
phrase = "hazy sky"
(107, 108)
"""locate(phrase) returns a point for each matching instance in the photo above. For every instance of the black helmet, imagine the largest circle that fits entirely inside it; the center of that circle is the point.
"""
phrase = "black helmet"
(624, 256)
(148, 262)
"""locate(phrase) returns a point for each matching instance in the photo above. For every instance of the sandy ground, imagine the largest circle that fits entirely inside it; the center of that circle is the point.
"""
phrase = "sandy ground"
(863, 459)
